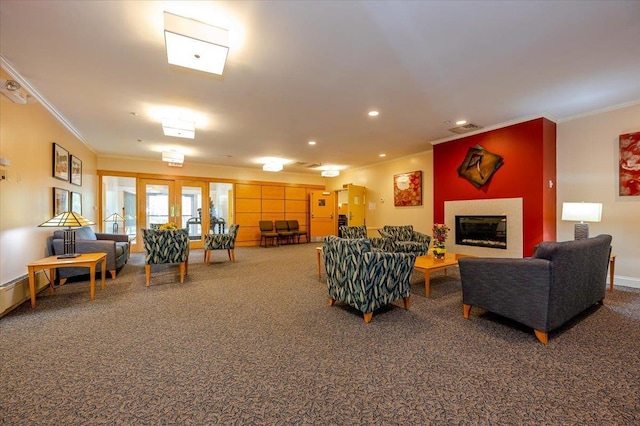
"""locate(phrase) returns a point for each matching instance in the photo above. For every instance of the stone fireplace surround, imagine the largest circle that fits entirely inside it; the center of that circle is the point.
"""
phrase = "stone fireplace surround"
(510, 207)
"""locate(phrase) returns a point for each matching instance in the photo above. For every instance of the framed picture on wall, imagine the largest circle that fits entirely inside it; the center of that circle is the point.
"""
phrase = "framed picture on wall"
(76, 202)
(407, 189)
(76, 170)
(629, 164)
(60, 162)
(60, 201)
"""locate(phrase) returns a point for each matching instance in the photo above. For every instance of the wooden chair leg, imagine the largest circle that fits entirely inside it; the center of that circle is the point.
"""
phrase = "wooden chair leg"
(233, 255)
(543, 337)
(182, 269)
(113, 274)
(206, 257)
(332, 302)
(367, 317)
(407, 303)
(466, 309)
(147, 272)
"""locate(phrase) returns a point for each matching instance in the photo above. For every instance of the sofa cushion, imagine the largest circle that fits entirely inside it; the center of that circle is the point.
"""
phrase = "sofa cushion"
(82, 233)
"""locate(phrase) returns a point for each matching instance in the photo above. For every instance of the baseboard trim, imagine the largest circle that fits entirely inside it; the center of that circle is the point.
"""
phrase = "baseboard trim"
(625, 282)
(16, 292)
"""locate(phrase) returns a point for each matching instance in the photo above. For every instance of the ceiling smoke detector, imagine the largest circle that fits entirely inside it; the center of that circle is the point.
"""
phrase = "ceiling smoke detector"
(469, 127)
(12, 90)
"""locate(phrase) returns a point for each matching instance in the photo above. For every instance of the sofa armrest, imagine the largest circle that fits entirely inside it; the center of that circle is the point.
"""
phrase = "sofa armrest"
(419, 237)
(514, 288)
(91, 246)
(121, 238)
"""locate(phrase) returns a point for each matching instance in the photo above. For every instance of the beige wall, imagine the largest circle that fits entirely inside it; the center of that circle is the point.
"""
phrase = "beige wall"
(587, 158)
(26, 136)
(378, 181)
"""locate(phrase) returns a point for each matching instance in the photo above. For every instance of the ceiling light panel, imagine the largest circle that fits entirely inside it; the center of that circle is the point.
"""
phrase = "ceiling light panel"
(194, 44)
(179, 128)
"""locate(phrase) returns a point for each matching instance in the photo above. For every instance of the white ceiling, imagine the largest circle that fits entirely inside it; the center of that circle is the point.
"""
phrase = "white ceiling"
(311, 70)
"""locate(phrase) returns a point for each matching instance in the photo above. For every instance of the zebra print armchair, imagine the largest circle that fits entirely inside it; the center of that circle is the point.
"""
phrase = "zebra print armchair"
(166, 246)
(366, 279)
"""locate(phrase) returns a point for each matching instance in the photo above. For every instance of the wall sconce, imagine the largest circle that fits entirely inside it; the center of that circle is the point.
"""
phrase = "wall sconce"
(582, 212)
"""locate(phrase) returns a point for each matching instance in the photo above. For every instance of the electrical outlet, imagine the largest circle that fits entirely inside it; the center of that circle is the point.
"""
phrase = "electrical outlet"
(3, 174)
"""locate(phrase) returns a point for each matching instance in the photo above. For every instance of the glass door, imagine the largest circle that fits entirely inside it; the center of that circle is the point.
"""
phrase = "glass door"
(190, 211)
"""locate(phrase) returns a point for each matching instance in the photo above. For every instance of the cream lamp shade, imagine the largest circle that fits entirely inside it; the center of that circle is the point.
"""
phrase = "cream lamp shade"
(68, 219)
(582, 212)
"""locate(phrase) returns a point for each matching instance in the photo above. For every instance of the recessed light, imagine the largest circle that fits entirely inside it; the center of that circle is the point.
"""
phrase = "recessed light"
(373, 113)
(447, 122)
(382, 155)
(312, 142)
(461, 122)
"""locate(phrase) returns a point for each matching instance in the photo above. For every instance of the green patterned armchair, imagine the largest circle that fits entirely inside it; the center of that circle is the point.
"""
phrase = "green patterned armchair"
(221, 242)
(365, 279)
(377, 243)
(406, 240)
(166, 246)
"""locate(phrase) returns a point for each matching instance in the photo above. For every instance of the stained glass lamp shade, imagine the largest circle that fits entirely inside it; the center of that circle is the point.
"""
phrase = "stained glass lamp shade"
(68, 219)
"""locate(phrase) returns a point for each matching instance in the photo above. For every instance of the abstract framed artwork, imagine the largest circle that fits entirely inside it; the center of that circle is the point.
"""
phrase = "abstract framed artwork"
(76, 202)
(407, 189)
(76, 170)
(60, 162)
(60, 201)
(629, 168)
(479, 165)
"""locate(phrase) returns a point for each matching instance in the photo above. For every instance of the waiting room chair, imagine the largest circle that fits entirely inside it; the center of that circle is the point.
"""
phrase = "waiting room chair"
(166, 247)
(221, 242)
(268, 232)
(377, 243)
(282, 228)
(406, 240)
(294, 227)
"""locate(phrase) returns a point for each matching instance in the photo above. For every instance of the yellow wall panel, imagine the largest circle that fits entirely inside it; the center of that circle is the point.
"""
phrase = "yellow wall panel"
(300, 217)
(291, 193)
(295, 206)
(248, 219)
(248, 233)
(273, 216)
(247, 205)
(245, 190)
(273, 206)
(272, 192)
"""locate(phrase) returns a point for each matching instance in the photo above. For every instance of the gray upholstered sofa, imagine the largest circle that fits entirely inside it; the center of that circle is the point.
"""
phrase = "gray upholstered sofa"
(87, 241)
(561, 280)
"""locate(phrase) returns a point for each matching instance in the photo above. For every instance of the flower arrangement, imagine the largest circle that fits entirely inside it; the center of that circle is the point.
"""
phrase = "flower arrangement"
(440, 233)
(168, 225)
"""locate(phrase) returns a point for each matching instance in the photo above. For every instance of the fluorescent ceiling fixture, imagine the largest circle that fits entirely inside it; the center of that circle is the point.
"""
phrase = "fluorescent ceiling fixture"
(461, 122)
(312, 142)
(582, 212)
(265, 160)
(382, 155)
(194, 44)
(272, 167)
(330, 173)
(373, 113)
(179, 128)
(173, 157)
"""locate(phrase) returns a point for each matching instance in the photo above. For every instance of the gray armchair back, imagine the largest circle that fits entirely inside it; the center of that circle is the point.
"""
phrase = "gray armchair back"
(561, 280)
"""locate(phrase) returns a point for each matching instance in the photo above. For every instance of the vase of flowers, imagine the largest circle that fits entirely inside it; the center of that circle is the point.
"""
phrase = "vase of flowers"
(440, 233)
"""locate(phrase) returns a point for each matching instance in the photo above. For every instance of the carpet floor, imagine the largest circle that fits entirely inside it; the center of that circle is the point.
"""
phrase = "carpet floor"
(255, 342)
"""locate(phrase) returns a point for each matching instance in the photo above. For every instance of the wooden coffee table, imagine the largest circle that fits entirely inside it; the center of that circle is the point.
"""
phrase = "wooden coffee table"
(428, 264)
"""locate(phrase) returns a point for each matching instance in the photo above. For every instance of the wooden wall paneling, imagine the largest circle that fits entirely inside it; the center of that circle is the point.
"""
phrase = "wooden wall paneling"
(273, 216)
(295, 206)
(245, 190)
(293, 193)
(248, 205)
(272, 192)
(273, 206)
(248, 219)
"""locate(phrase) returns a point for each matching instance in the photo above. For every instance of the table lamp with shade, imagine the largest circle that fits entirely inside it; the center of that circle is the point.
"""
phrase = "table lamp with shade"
(115, 218)
(581, 213)
(68, 219)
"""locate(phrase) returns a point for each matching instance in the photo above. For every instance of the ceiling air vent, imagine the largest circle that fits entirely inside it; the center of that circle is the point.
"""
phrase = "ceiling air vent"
(304, 164)
(469, 127)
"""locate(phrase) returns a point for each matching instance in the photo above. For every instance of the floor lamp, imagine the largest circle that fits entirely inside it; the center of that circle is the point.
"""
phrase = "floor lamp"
(582, 212)
(68, 219)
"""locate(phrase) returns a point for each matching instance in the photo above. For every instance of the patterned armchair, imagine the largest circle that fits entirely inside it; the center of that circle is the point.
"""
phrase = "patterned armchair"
(167, 246)
(377, 244)
(221, 242)
(365, 279)
(406, 240)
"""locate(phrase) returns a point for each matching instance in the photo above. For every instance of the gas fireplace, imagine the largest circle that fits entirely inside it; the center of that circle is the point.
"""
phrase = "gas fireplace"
(482, 231)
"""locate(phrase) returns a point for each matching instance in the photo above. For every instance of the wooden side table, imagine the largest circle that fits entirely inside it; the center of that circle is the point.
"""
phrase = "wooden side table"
(86, 260)
(612, 268)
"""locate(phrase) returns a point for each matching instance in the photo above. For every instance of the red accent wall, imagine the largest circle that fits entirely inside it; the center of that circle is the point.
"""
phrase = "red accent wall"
(529, 162)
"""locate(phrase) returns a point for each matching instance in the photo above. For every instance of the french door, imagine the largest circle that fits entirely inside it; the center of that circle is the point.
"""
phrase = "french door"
(162, 201)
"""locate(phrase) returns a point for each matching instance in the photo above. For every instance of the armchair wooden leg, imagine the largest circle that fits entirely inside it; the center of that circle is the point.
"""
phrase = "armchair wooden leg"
(206, 256)
(407, 303)
(147, 272)
(182, 268)
(466, 309)
(543, 337)
(332, 302)
(113, 274)
(367, 317)
(233, 255)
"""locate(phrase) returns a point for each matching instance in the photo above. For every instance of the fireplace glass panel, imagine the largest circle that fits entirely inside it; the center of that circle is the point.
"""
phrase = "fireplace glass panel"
(482, 231)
